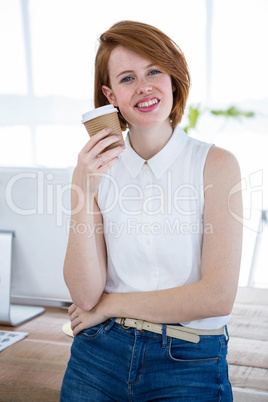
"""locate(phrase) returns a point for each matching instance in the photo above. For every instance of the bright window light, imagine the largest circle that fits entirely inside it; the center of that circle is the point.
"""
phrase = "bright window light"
(64, 40)
(16, 146)
(239, 62)
(13, 79)
(58, 146)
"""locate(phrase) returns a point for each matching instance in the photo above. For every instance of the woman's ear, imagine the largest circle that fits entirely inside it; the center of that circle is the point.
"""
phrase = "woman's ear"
(109, 95)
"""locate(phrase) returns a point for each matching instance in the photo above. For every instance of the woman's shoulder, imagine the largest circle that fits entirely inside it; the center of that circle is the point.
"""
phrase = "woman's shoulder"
(221, 165)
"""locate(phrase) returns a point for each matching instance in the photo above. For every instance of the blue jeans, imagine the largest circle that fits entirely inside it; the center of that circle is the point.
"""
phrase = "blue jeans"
(110, 363)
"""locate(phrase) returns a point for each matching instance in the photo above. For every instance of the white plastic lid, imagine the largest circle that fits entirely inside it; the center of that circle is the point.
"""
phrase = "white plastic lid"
(98, 112)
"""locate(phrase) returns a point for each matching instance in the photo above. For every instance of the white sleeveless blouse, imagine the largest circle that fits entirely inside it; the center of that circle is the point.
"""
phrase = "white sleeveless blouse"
(153, 219)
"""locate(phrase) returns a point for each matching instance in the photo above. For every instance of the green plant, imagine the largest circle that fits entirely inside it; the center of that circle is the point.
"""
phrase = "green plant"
(195, 111)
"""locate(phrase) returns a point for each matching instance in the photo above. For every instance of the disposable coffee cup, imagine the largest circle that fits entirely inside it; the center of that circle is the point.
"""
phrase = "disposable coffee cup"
(103, 117)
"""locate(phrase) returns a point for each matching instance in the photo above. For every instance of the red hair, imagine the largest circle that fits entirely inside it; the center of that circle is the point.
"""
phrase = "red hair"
(154, 45)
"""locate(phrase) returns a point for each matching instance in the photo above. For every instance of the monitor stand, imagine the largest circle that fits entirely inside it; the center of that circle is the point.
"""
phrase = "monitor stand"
(11, 314)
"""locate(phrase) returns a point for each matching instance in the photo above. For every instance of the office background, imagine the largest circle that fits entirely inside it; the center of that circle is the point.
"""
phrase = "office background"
(47, 51)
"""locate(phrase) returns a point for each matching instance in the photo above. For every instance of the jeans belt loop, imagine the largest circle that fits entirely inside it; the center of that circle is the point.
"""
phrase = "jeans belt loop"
(110, 325)
(140, 325)
(226, 333)
(164, 336)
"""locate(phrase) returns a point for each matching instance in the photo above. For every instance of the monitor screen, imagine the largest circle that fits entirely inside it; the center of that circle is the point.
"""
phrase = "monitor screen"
(35, 207)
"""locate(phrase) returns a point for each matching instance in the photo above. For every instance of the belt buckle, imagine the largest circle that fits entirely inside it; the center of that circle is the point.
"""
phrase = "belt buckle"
(122, 322)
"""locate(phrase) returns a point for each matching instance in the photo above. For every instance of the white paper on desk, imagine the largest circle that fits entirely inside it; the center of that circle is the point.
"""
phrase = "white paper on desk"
(7, 338)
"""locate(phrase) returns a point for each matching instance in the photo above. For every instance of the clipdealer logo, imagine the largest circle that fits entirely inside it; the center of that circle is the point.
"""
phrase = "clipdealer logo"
(45, 198)
(49, 198)
(141, 228)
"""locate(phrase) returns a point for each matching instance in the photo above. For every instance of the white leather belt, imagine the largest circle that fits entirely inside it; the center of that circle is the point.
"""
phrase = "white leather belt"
(174, 331)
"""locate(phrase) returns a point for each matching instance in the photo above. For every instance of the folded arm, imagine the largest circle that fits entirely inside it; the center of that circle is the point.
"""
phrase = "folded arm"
(215, 293)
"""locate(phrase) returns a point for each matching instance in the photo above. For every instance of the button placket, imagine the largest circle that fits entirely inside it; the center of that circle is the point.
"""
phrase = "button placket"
(147, 222)
(146, 215)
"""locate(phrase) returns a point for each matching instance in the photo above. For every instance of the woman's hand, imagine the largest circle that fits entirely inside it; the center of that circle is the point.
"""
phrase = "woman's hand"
(81, 319)
(86, 260)
(92, 163)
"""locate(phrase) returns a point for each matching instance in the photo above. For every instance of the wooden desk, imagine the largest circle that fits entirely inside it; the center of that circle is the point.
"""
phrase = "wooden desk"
(32, 369)
(248, 346)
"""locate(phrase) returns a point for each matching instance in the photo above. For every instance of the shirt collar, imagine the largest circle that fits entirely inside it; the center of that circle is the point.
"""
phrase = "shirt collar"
(160, 162)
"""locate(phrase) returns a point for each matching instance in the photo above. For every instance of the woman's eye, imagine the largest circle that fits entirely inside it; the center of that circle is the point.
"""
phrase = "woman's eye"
(153, 72)
(126, 79)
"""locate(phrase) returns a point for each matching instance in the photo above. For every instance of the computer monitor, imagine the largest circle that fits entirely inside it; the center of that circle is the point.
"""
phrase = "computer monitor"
(34, 221)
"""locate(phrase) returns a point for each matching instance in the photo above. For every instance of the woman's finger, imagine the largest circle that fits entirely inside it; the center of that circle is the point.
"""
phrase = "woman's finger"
(71, 309)
(72, 317)
(77, 329)
(95, 156)
(107, 165)
(95, 139)
(111, 153)
(76, 323)
(102, 159)
(104, 143)
(105, 157)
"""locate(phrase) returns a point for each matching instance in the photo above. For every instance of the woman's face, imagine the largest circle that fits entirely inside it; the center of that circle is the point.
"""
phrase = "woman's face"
(142, 90)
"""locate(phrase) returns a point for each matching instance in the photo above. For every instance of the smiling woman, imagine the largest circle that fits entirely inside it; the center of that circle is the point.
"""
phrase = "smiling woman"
(144, 99)
(152, 51)
(168, 283)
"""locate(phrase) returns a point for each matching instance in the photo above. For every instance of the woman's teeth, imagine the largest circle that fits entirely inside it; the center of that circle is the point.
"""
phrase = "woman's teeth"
(147, 104)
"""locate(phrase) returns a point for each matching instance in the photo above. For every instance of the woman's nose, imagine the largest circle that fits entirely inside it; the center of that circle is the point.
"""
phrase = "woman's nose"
(143, 87)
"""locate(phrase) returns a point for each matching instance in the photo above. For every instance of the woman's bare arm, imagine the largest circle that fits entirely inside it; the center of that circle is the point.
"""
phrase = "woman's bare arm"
(85, 261)
(214, 294)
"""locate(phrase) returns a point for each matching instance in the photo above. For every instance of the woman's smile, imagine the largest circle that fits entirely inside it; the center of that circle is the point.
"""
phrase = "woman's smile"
(140, 89)
(147, 104)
